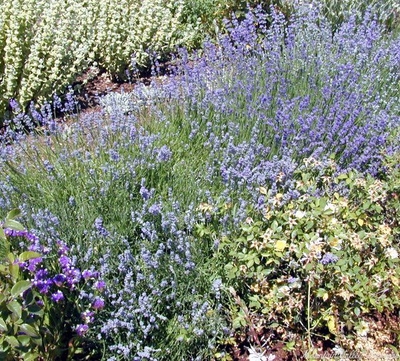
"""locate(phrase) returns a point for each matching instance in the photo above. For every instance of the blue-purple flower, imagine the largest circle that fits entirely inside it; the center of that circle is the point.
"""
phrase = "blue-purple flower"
(81, 329)
(98, 304)
(57, 296)
(329, 258)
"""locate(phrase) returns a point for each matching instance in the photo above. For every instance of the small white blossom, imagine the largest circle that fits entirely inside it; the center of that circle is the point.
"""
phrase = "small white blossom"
(391, 253)
(255, 355)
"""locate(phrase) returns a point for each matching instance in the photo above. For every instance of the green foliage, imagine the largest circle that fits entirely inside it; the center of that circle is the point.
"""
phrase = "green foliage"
(20, 314)
(32, 325)
(318, 262)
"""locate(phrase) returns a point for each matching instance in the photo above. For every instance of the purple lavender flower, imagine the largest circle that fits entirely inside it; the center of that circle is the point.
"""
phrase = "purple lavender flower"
(164, 154)
(14, 105)
(81, 329)
(59, 280)
(73, 276)
(87, 317)
(114, 155)
(33, 263)
(155, 209)
(98, 303)
(43, 286)
(98, 224)
(86, 274)
(292, 279)
(62, 248)
(329, 258)
(57, 297)
(100, 285)
(145, 193)
(65, 262)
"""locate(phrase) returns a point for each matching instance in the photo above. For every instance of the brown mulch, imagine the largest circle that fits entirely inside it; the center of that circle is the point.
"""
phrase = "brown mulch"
(89, 87)
(384, 331)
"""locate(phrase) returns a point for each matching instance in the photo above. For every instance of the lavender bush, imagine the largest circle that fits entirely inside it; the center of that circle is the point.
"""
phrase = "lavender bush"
(131, 189)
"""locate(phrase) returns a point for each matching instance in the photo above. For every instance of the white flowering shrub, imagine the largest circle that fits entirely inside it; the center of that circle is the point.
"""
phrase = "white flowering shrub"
(125, 103)
(45, 44)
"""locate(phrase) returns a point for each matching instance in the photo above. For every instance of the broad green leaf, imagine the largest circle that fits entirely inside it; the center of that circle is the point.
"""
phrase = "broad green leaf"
(308, 266)
(10, 223)
(309, 225)
(30, 356)
(14, 270)
(12, 341)
(29, 330)
(3, 325)
(23, 340)
(14, 213)
(11, 257)
(37, 341)
(35, 310)
(341, 262)
(20, 287)
(4, 269)
(15, 308)
(2, 234)
(25, 256)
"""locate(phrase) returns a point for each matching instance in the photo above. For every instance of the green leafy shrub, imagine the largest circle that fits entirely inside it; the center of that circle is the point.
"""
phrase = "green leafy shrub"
(318, 262)
(40, 315)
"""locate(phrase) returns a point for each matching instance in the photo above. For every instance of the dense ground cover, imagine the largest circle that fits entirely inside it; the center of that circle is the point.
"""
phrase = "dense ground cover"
(253, 194)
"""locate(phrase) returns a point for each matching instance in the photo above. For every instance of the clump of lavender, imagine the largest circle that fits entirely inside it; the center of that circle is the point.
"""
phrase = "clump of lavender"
(164, 294)
(293, 90)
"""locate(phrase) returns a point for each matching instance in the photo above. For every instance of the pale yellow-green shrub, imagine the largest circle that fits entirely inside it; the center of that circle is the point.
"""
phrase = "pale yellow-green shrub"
(45, 44)
(127, 28)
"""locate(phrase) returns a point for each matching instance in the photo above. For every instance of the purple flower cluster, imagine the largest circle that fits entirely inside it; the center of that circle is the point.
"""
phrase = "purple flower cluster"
(328, 258)
(65, 286)
(161, 283)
